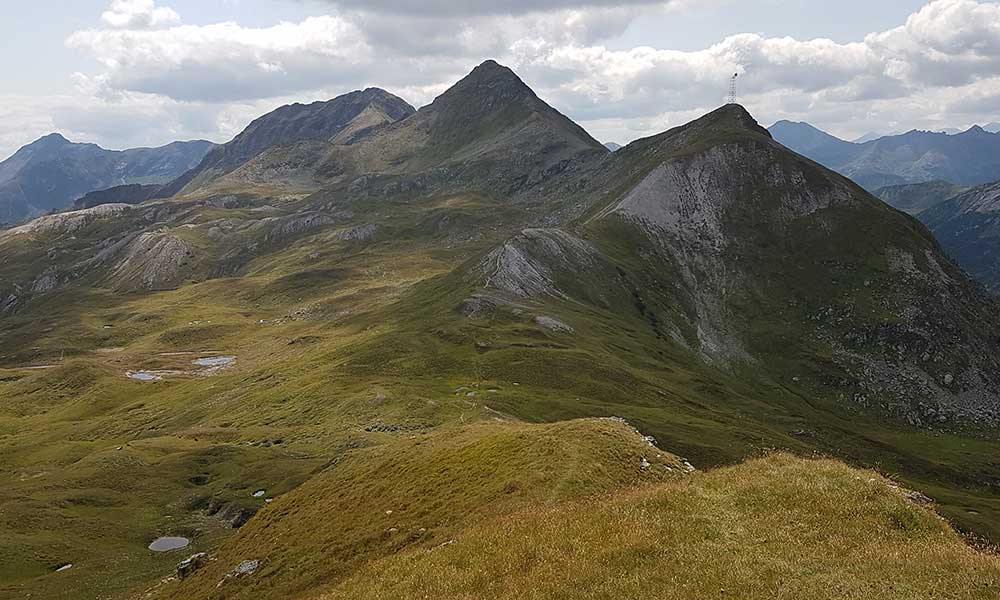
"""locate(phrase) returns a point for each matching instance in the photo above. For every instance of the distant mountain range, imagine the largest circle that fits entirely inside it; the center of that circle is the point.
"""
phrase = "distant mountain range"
(915, 198)
(52, 172)
(966, 222)
(968, 158)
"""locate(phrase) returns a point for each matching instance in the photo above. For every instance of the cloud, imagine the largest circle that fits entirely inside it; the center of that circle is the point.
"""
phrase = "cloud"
(467, 8)
(941, 67)
(139, 14)
(227, 62)
(948, 43)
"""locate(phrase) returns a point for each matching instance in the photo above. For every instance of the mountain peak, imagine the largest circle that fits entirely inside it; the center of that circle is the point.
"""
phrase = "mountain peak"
(376, 93)
(488, 84)
(52, 140)
(491, 69)
(732, 116)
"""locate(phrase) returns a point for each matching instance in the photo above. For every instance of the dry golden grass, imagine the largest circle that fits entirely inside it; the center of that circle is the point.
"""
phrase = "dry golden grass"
(420, 491)
(777, 528)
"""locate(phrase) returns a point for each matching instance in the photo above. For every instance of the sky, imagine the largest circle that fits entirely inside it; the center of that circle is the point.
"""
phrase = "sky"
(127, 73)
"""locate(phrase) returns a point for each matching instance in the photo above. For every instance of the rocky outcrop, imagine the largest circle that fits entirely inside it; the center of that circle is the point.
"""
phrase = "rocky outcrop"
(189, 565)
(68, 222)
(280, 228)
(529, 264)
(355, 234)
(153, 261)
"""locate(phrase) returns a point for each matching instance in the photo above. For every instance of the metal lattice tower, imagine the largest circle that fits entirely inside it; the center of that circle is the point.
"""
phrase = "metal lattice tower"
(731, 99)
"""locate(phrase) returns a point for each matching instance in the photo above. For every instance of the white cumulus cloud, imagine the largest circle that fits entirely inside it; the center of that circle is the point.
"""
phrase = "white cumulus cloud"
(139, 14)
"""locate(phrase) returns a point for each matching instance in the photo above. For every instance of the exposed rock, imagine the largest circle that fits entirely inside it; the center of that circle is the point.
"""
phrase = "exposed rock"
(358, 233)
(46, 282)
(68, 222)
(191, 564)
(553, 324)
(486, 304)
(527, 265)
(153, 261)
(292, 225)
(246, 567)
(917, 497)
(8, 303)
(314, 123)
(236, 516)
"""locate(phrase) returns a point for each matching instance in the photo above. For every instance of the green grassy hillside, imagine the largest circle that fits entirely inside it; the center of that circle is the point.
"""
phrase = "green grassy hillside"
(776, 527)
(417, 493)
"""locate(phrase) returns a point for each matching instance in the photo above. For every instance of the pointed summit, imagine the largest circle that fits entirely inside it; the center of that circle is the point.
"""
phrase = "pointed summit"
(727, 123)
(492, 72)
(732, 116)
(492, 110)
(489, 85)
(52, 140)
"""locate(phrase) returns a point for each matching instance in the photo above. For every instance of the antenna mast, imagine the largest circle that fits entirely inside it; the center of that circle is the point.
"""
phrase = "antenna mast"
(732, 89)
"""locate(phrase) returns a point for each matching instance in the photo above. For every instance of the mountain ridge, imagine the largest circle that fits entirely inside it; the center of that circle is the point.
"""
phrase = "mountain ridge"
(288, 124)
(967, 224)
(52, 172)
(965, 158)
(915, 198)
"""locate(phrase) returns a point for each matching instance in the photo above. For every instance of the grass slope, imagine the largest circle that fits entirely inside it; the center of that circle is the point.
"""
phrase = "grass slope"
(776, 527)
(417, 492)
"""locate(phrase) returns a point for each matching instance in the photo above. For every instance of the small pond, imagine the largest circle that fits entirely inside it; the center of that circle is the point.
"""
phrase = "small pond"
(215, 361)
(143, 376)
(166, 544)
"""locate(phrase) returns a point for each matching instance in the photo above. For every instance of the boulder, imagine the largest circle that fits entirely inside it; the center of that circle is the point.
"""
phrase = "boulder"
(191, 564)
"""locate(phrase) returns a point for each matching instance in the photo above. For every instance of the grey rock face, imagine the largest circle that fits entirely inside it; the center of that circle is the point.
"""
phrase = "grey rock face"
(359, 233)
(526, 265)
(68, 222)
(191, 564)
(153, 261)
(246, 567)
(553, 324)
